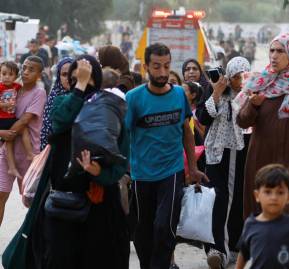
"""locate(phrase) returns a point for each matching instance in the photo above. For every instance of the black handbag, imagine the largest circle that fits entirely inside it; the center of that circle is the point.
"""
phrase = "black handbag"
(68, 206)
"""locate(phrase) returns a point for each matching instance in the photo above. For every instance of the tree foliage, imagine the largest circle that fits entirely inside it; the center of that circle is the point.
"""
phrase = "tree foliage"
(84, 17)
(136, 10)
(216, 10)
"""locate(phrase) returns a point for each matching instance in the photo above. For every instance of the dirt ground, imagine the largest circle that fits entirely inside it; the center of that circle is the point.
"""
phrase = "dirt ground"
(186, 256)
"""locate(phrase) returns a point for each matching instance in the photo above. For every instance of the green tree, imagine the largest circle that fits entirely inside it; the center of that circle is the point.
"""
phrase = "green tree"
(84, 18)
(135, 10)
(231, 11)
(216, 10)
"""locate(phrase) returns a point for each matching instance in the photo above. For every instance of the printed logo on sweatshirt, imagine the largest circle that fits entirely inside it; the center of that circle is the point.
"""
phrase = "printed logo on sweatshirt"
(283, 255)
(160, 119)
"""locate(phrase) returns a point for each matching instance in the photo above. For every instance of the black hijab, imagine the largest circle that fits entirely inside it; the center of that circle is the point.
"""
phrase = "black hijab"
(203, 81)
(96, 75)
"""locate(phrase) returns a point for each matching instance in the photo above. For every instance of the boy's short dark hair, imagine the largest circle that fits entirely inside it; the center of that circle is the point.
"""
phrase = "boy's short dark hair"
(156, 49)
(271, 176)
(50, 38)
(34, 41)
(10, 65)
(110, 78)
(36, 59)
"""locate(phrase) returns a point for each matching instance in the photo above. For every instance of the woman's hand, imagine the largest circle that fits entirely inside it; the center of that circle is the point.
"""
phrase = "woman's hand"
(257, 99)
(219, 87)
(8, 135)
(83, 74)
(89, 166)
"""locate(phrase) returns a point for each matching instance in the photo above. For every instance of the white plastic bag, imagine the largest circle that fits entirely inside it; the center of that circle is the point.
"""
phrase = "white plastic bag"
(196, 214)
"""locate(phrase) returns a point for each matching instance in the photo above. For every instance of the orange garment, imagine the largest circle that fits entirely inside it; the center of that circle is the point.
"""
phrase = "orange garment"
(95, 193)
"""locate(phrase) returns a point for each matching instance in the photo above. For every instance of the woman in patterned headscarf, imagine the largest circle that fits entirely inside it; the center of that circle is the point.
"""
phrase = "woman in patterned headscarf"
(225, 160)
(60, 87)
(267, 110)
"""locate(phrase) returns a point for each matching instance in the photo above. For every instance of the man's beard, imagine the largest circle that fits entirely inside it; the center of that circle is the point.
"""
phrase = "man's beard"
(154, 81)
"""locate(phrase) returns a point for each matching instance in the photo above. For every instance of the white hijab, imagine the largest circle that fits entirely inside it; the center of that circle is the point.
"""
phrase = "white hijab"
(224, 131)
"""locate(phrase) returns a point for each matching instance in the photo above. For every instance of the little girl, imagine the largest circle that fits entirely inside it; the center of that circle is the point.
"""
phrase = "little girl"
(194, 91)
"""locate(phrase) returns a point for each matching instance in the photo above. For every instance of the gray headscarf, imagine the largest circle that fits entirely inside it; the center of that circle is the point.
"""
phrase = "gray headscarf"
(237, 65)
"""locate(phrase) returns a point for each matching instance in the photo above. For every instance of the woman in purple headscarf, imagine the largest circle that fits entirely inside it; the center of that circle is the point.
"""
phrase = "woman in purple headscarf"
(267, 110)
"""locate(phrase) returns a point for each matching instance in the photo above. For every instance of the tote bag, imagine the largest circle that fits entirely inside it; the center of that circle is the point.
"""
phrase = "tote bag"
(16, 254)
(32, 176)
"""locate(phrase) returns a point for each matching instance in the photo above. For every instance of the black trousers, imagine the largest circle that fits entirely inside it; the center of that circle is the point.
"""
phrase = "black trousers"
(158, 210)
(101, 242)
(6, 124)
(227, 178)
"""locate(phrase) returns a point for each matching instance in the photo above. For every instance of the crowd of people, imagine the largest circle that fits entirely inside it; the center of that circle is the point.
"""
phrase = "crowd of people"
(242, 119)
(233, 45)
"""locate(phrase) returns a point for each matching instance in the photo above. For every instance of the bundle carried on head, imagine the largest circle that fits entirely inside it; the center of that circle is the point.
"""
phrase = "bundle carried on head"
(98, 126)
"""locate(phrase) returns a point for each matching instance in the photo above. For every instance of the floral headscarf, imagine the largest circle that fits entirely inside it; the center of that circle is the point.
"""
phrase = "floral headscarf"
(273, 84)
(237, 65)
(55, 91)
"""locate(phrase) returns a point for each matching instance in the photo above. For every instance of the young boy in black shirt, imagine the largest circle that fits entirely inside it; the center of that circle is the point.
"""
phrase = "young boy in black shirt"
(265, 237)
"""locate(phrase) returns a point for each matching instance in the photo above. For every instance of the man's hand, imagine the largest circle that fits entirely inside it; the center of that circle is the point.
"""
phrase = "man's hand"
(89, 166)
(196, 176)
(257, 99)
(8, 135)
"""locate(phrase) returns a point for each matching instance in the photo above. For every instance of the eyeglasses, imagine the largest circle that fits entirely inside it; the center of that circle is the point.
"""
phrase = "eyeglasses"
(277, 50)
(193, 68)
